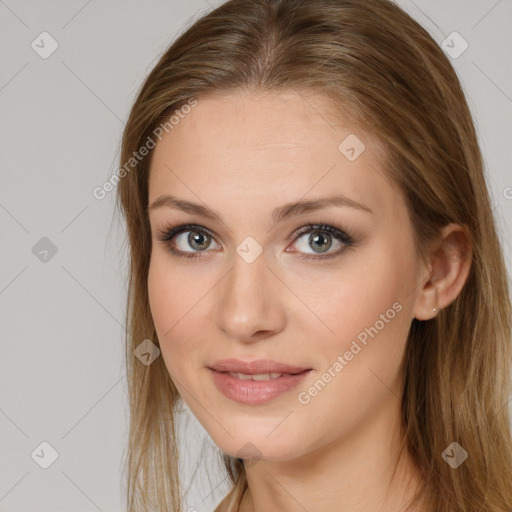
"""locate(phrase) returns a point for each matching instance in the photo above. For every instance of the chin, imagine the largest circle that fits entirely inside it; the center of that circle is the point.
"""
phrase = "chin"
(259, 445)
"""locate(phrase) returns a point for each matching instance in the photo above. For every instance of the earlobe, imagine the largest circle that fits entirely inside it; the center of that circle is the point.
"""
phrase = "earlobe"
(427, 305)
(434, 309)
(449, 269)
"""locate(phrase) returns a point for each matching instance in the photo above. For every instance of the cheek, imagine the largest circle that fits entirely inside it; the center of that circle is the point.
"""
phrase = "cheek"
(361, 368)
(354, 297)
(171, 303)
(172, 294)
(161, 299)
(367, 311)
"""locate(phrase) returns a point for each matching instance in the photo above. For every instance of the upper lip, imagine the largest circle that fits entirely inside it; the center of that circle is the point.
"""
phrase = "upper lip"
(257, 366)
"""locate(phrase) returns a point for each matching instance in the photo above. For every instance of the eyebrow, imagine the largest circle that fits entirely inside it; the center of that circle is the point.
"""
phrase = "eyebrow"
(278, 215)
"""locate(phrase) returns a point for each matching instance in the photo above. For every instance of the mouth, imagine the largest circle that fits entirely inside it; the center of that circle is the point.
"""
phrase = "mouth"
(256, 388)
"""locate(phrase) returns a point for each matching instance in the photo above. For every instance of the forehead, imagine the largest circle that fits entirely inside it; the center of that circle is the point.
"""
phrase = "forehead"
(264, 149)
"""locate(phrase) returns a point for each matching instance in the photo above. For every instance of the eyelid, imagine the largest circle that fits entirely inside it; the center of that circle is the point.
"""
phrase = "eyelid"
(321, 226)
(170, 231)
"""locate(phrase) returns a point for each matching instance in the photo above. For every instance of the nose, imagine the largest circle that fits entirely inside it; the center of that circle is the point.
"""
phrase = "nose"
(250, 302)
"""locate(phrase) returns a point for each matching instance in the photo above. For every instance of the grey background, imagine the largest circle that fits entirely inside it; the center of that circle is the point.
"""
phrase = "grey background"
(61, 368)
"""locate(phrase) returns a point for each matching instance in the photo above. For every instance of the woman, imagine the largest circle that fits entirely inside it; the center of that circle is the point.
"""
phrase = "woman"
(313, 252)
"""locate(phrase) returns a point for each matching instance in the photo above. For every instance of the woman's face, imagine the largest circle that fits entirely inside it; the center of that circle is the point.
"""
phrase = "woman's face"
(250, 293)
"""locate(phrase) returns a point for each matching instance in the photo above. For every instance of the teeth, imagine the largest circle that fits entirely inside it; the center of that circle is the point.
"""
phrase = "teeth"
(256, 376)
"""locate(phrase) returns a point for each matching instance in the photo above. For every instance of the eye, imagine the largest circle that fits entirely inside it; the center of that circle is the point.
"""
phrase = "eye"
(199, 239)
(321, 238)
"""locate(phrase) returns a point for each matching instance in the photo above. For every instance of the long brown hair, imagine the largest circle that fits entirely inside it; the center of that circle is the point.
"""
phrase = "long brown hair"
(382, 69)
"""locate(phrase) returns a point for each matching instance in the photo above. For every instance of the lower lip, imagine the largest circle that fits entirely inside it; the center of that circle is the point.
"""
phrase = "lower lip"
(254, 392)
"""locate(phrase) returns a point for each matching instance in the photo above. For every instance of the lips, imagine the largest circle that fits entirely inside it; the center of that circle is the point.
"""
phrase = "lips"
(257, 367)
(257, 389)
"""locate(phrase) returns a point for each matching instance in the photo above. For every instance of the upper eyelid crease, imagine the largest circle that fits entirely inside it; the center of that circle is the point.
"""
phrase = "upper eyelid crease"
(279, 214)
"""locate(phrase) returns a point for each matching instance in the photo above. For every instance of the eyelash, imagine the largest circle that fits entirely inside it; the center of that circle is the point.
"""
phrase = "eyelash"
(169, 232)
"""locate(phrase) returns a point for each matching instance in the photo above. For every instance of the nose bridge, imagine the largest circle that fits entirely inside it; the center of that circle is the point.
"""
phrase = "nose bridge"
(249, 269)
(250, 299)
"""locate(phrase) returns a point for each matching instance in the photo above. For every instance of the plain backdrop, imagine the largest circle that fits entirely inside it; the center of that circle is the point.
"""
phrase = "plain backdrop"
(62, 273)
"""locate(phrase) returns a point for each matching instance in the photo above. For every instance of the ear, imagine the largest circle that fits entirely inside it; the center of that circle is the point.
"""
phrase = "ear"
(448, 270)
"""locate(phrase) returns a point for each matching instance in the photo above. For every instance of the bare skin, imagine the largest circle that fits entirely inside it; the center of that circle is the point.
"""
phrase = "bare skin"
(243, 155)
